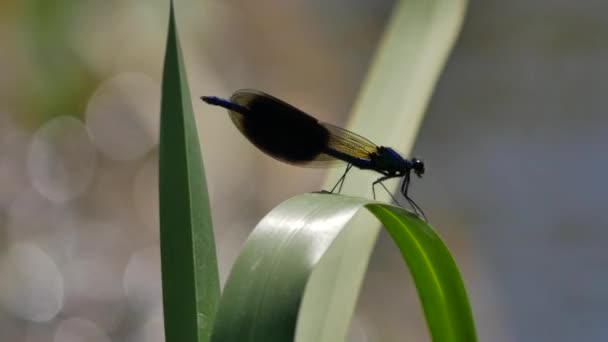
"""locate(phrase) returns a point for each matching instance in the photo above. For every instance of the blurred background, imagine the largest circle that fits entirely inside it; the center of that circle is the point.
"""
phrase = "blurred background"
(513, 140)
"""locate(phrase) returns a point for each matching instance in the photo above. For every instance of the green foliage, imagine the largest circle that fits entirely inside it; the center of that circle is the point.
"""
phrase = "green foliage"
(299, 272)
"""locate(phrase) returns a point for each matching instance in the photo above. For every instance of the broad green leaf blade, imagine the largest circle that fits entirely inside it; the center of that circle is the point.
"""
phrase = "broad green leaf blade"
(400, 82)
(189, 268)
(440, 288)
(262, 296)
(273, 292)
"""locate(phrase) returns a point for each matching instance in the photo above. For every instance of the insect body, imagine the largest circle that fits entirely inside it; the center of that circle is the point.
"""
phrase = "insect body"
(292, 136)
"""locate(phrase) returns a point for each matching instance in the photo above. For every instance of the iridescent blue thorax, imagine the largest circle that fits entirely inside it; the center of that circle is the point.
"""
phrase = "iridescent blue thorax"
(389, 161)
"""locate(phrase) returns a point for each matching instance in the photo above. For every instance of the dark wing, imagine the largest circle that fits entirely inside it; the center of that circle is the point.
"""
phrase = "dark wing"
(252, 100)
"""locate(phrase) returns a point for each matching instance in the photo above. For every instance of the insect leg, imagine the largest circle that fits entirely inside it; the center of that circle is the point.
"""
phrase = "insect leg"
(380, 180)
(393, 197)
(348, 167)
(341, 180)
(416, 207)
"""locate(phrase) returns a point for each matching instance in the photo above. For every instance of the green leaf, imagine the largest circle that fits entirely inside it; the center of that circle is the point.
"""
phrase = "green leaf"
(188, 258)
(300, 272)
(440, 287)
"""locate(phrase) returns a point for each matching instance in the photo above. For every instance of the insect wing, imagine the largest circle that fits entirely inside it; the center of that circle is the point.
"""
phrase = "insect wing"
(350, 143)
(281, 130)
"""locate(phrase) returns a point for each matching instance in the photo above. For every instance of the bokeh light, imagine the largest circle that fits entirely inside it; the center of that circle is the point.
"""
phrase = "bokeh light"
(122, 116)
(93, 274)
(152, 330)
(31, 286)
(61, 159)
(22, 225)
(142, 281)
(80, 330)
(93, 292)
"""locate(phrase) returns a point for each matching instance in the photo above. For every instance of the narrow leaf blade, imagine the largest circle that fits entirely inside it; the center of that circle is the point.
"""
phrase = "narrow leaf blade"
(188, 258)
(438, 282)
